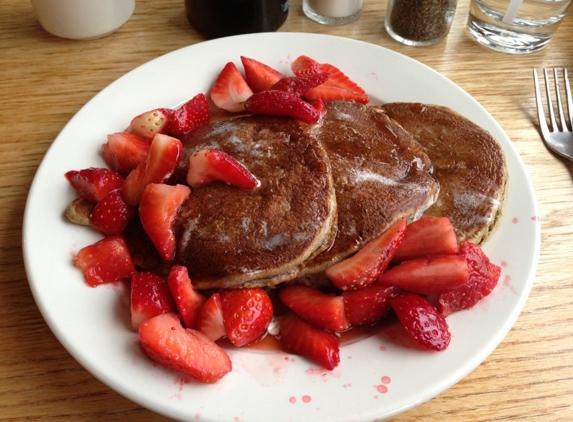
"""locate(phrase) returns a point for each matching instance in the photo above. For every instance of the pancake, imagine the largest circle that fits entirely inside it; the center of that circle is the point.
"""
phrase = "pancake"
(468, 163)
(230, 237)
(380, 176)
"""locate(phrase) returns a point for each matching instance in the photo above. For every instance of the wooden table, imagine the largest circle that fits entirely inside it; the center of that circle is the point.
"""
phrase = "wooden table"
(45, 80)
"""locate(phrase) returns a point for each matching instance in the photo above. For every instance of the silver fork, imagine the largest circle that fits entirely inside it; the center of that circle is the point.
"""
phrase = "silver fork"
(558, 136)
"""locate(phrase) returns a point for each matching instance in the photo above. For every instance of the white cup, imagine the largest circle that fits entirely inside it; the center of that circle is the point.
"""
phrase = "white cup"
(83, 19)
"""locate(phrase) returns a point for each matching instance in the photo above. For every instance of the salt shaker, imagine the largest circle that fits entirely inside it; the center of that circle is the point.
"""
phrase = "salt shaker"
(419, 23)
(333, 12)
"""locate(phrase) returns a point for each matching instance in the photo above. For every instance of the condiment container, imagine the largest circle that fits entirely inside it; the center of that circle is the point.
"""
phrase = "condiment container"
(222, 18)
(332, 12)
(419, 23)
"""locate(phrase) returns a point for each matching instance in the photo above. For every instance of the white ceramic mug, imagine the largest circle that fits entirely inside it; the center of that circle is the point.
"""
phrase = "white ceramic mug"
(82, 19)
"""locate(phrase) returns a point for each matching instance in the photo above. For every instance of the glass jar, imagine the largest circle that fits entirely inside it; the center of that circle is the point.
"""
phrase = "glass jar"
(419, 23)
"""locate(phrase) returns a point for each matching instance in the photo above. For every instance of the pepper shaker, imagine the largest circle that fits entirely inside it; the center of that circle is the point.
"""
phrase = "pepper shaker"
(419, 23)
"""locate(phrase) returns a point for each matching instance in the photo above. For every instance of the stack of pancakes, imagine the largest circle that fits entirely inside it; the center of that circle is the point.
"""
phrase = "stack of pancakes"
(329, 189)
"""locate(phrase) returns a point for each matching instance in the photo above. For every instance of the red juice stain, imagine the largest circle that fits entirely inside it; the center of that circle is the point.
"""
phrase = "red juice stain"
(536, 218)
(292, 399)
(382, 389)
(385, 380)
(504, 264)
(515, 220)
(306, 399)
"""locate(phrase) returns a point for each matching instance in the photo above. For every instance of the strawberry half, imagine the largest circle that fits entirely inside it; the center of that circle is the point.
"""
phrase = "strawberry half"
(123, 151)
(166, 342)
(191, 114)
(369, 305)
(247, 313)
(230, 90)
(150, 123)
(363, 268)
(483, 277)
(111, 215)
(300, 85)
(422, 320)
(158, 166)
(149, 297)
(303, 339)
(427, 236)
(210, 318)
(325, 311)
(207, 165)
(282, 103)
(157, 211)
(94, 183)
(430, 275)
(338, 87)
(259, 76)
(105, 261)
(187, 300)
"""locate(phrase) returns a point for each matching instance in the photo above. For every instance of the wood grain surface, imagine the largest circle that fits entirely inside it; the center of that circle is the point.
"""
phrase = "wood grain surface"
(45, 80)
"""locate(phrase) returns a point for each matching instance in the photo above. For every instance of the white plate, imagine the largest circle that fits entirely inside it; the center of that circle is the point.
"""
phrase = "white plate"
(378, 376)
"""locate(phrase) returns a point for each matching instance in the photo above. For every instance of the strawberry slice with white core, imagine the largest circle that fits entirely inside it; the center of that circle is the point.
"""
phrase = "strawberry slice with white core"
(168, 343)
(158, 166)
(208, 165)
(105, 261)
(282, 103)
(325, 311)
(187, 300)
(210, 319)
(149, 297)
(94, 183)
(157, 211)
(230, 90)
(191, 114)
(422, 321)
(427, 236)
(303, 339)
(260, 76)
(123, 151)
(433, 274)
(363, 268)
(150, 123)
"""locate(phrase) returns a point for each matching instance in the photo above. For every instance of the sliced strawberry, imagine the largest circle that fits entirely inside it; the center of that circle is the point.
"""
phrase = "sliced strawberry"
(158, 166)
(207, 165)
(325, 311)
(299, 85)
(282, 103)
(150, 123)
(105, 261)
(94, 183)
(363, 268)
(157, 211)
(369, 305)
(483, 277)
(427, 236)
(338, 87)
(111, 215)
(430, 275)
(422, 320)
(230, 90)
(303, 339)
(79, 211)
(149, 297)
(123, 151)
(304, 65)
(259, 76)
(192, 114)
(319, 106)
(210, 318)
(166, 342)
(187, 300)
(247, 313)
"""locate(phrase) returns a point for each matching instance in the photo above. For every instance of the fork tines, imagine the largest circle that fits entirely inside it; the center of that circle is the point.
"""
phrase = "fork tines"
(565, 123)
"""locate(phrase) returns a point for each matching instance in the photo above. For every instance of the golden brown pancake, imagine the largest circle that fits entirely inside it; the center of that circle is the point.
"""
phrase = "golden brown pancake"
(230, 237)
(380, 176)
(468, 163)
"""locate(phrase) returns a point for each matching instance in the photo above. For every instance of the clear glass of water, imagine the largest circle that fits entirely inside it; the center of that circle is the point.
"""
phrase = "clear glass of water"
(525, 27)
